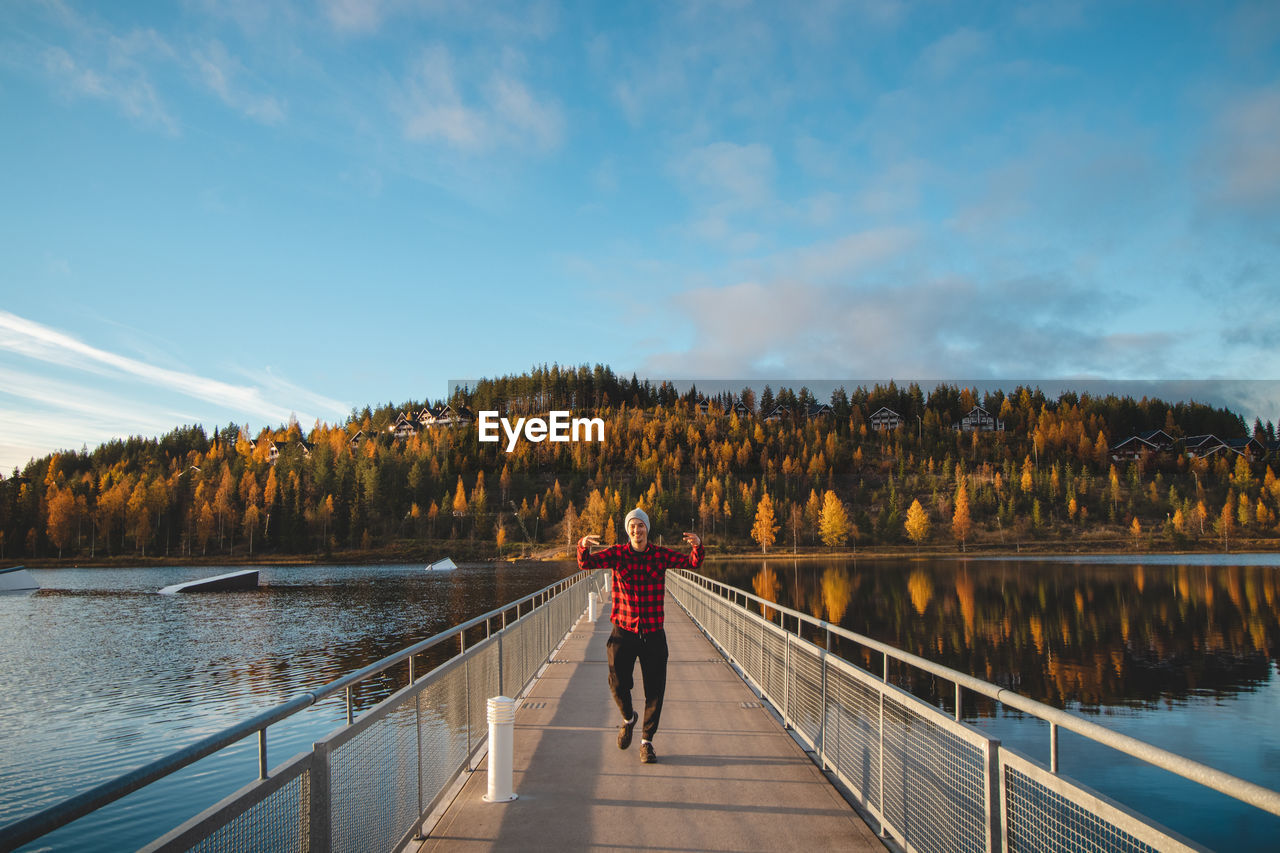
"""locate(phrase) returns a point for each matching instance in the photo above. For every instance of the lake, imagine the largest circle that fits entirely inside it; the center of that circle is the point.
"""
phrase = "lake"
(101, 674)
(1179, 651)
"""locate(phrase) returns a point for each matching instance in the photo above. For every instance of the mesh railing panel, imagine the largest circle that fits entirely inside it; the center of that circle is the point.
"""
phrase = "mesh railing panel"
(1047, 812)
(804, 705)
(278, 822)
(934, 782)
(374, 783)
(851, 739)
(443, 729)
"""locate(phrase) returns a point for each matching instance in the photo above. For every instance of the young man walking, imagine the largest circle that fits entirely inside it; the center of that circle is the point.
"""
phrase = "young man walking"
(639, 585)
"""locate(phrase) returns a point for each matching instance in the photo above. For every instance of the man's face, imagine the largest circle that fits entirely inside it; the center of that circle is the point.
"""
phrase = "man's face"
(638, 534)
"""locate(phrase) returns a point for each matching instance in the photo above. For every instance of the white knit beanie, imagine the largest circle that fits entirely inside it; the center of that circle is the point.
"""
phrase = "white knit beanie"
(636, 513)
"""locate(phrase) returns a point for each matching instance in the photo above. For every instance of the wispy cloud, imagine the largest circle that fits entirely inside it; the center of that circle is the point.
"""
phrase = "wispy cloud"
(121, 80)
(490, 110)
(740, 176)
(42, 343)
(951, 53)
(222, 73)
(1244, 158)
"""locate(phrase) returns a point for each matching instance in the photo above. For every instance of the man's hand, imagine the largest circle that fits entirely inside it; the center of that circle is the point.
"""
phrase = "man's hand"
(588, 541)
(693, 540)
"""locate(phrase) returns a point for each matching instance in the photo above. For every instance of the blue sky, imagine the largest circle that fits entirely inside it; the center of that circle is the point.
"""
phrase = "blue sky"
(231, 210)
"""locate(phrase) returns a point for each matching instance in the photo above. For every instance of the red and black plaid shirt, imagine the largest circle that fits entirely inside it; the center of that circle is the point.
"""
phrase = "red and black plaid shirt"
(639, 580)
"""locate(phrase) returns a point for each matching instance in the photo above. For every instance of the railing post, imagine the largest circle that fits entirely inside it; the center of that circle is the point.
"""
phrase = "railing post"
(350, 714)
(417, 727)
(786, 679)
(959, 699)
(320, 829)
(1053, 748)
(822, 718)
(262, 753)
(993, 788)
(884, 812)
(466, 681)
(501, 690)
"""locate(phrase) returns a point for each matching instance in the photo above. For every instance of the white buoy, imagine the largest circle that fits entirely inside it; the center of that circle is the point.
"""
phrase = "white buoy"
(502, 724)
(593, 606)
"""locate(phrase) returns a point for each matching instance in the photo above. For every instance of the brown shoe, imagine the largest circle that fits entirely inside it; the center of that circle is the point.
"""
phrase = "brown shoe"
(624, 731)
(647, 755)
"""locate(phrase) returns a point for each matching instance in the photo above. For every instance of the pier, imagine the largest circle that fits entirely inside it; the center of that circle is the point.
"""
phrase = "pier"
(728, 775)
(767, 738)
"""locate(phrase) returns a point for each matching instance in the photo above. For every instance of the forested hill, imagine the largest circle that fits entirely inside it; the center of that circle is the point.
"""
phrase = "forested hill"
(395, 480)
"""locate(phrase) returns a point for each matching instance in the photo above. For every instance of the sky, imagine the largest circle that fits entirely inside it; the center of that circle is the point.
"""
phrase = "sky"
(238, 211)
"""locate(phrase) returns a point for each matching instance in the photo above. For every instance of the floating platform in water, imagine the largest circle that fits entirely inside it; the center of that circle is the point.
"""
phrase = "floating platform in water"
(231, 582)
(16, 578)
(445, 565)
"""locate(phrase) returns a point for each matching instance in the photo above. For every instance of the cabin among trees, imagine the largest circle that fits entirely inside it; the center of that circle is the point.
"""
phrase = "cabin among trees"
(837, 473)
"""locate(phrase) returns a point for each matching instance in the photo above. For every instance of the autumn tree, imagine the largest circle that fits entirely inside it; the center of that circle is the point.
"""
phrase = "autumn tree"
(204, 527)
(1226, 524)
(252, 518)
(917, 523)
(764, 530)
(833, 521)
(961, 523)
(62, 517)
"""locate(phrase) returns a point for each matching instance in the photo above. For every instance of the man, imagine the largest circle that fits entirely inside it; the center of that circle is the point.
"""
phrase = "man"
(639, 585)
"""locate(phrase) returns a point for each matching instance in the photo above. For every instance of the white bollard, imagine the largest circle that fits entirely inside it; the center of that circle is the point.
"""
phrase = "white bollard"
(502, 723)
(593, 606)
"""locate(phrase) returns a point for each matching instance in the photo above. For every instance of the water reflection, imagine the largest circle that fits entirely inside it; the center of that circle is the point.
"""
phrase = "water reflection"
(101, 674)
(1084, 634)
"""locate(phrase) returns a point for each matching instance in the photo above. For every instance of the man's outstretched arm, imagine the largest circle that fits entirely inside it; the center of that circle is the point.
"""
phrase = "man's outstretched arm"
(586, 560)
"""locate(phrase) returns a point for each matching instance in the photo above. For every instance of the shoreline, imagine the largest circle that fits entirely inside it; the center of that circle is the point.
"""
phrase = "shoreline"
(468, 553)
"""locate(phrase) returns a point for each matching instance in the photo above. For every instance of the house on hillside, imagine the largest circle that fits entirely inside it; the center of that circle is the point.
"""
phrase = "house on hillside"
(819, 410)
(740, 409)
(404, 426)
(448, 415)
(1249, 448)
(356, 439)
(979, 420)
(1202, 446)
(1132, 449)
(885, 418)
(1158, 438)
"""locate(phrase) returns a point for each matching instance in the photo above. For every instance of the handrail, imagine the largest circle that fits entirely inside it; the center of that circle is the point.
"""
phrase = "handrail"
(1218, 780)
(60, 814)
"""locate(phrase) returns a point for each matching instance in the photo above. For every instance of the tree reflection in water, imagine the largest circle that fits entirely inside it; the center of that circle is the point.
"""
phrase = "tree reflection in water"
(1084, 634)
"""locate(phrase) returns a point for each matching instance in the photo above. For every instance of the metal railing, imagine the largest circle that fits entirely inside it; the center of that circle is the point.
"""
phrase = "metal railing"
(933, 782)
(369, 784)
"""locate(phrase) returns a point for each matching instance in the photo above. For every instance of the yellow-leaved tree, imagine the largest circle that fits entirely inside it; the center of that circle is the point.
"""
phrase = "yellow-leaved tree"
(961, 523)
(765, 530)
(917, 523)
(833, 521)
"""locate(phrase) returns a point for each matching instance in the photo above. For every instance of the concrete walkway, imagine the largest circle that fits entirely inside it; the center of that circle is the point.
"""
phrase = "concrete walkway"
(727, 778)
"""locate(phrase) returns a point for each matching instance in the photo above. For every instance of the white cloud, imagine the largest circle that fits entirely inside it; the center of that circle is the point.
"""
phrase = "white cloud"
(122, 82)
(501, 112)
(221, 72)
(951, 53)
(1244, 157)
(41, 343)
(355, 16)
(739, 175)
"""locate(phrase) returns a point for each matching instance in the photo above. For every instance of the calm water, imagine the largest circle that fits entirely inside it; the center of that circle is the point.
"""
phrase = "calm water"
(1177, 651)
(100, 674)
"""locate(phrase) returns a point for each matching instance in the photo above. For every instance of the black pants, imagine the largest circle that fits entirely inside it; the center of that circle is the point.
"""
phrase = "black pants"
(625, 647)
